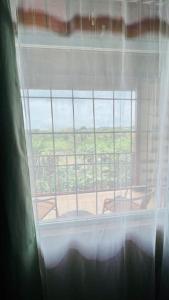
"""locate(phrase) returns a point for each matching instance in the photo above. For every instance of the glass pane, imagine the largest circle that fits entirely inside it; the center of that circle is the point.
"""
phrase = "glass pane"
(116, 167)
(103, 94)
(67, 206)
(105, 176)
(104, 143)
(39, 93)
(115, 201)
(122, 94)
(44, 179)
(61, 160)
(122, 200)
(80, 159)
(86, 178)
(40, 115)
(106, 202)
(123, 170)
(84, 143)
(81, 178)
(123, 114)
(62, 115)
(139, 198)
(82, 94)
(45, 160)
(66, 180)
(89, 159)
(122, 142)
(85, 159)
(86, 204)
(64, 144)
(62, 93)
(70, 160)
(71, 178)
(42, 144)
(105, 158)
(46, 209)
(83, 110)
(104, 115)
(65, 160)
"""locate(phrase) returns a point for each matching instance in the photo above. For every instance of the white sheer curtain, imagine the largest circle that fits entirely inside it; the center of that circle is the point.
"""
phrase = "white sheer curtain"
(95, 89)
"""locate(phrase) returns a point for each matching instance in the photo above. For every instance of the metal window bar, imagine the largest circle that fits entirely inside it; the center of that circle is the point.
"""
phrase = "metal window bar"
(54, 156)
(131, 146)
(120, 157)
(95, 152)
(112, 160)
(114, 151)
(75, 153)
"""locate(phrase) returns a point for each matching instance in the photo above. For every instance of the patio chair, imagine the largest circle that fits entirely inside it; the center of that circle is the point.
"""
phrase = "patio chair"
(139, 202)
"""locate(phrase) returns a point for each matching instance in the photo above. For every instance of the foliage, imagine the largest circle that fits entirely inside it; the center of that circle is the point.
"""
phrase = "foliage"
(113, 155)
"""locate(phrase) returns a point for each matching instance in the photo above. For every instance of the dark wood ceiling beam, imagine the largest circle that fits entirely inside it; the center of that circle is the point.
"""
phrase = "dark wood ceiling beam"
(100, 23)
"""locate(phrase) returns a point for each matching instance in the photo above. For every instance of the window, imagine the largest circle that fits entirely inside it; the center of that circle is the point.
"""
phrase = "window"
(84, 153)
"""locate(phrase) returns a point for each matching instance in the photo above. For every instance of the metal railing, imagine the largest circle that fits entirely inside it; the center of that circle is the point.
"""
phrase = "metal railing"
(109, 170)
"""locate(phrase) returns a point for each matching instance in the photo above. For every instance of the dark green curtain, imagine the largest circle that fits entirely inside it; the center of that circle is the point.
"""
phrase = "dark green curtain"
(19, 261)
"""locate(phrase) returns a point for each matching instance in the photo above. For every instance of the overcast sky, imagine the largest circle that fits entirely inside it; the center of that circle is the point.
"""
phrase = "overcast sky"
(104, 113)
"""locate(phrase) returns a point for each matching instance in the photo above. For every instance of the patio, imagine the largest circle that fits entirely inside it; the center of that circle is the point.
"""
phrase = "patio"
(85, 204)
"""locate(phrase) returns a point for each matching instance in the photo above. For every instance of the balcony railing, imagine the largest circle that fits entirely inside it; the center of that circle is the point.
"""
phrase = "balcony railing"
(66, 174)
(86, 184)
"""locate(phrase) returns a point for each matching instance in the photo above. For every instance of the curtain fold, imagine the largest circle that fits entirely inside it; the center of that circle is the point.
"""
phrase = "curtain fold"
(21, 273)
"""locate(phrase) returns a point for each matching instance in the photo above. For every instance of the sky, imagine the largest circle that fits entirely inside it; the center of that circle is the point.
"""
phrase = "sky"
(85, 113)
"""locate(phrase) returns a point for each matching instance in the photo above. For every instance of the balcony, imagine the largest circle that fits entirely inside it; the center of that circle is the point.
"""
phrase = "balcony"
(69, 186)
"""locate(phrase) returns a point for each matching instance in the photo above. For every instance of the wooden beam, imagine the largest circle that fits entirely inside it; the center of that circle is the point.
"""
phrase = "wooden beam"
(100, 23)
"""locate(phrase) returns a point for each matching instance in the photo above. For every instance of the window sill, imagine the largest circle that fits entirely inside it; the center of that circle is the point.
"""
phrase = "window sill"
(133, 220)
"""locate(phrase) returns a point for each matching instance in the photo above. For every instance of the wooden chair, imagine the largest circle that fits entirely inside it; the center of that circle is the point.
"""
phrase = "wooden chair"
(135, 203)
